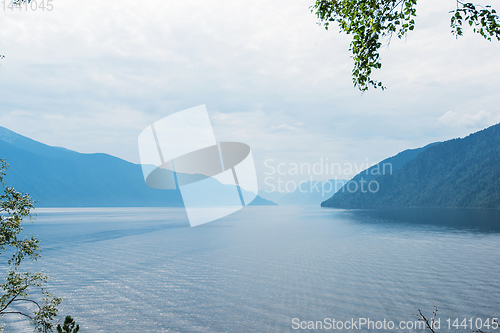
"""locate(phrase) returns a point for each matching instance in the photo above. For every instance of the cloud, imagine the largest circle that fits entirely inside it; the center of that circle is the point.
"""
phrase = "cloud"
(91, 75)
(477, 120)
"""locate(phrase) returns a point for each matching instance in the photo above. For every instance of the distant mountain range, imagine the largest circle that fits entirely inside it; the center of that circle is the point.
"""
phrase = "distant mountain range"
(461, 173)
(307, 193)
(58, 177)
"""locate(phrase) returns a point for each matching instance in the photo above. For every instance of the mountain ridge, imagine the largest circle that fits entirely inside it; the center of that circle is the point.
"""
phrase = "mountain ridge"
(59, 177)
(458, 173)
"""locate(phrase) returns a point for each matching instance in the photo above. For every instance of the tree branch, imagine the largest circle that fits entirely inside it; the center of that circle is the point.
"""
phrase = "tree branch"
(422, 317)
(14, 298)
(20, 313)
(28, 300)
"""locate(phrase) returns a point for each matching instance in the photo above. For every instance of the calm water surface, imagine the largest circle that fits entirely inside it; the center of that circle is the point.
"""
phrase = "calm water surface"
(146, 270)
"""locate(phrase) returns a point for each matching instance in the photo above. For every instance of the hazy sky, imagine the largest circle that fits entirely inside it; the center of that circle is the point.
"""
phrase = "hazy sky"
(90, 75)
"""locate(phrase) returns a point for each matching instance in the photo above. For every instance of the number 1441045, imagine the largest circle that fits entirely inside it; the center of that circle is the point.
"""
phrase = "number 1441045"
(26, 5)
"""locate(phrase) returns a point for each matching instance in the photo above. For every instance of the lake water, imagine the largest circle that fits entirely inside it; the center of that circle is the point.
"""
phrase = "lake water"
(146, 270)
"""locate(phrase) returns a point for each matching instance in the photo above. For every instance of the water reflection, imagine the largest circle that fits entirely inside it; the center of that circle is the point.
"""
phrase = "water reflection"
(467, 220)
